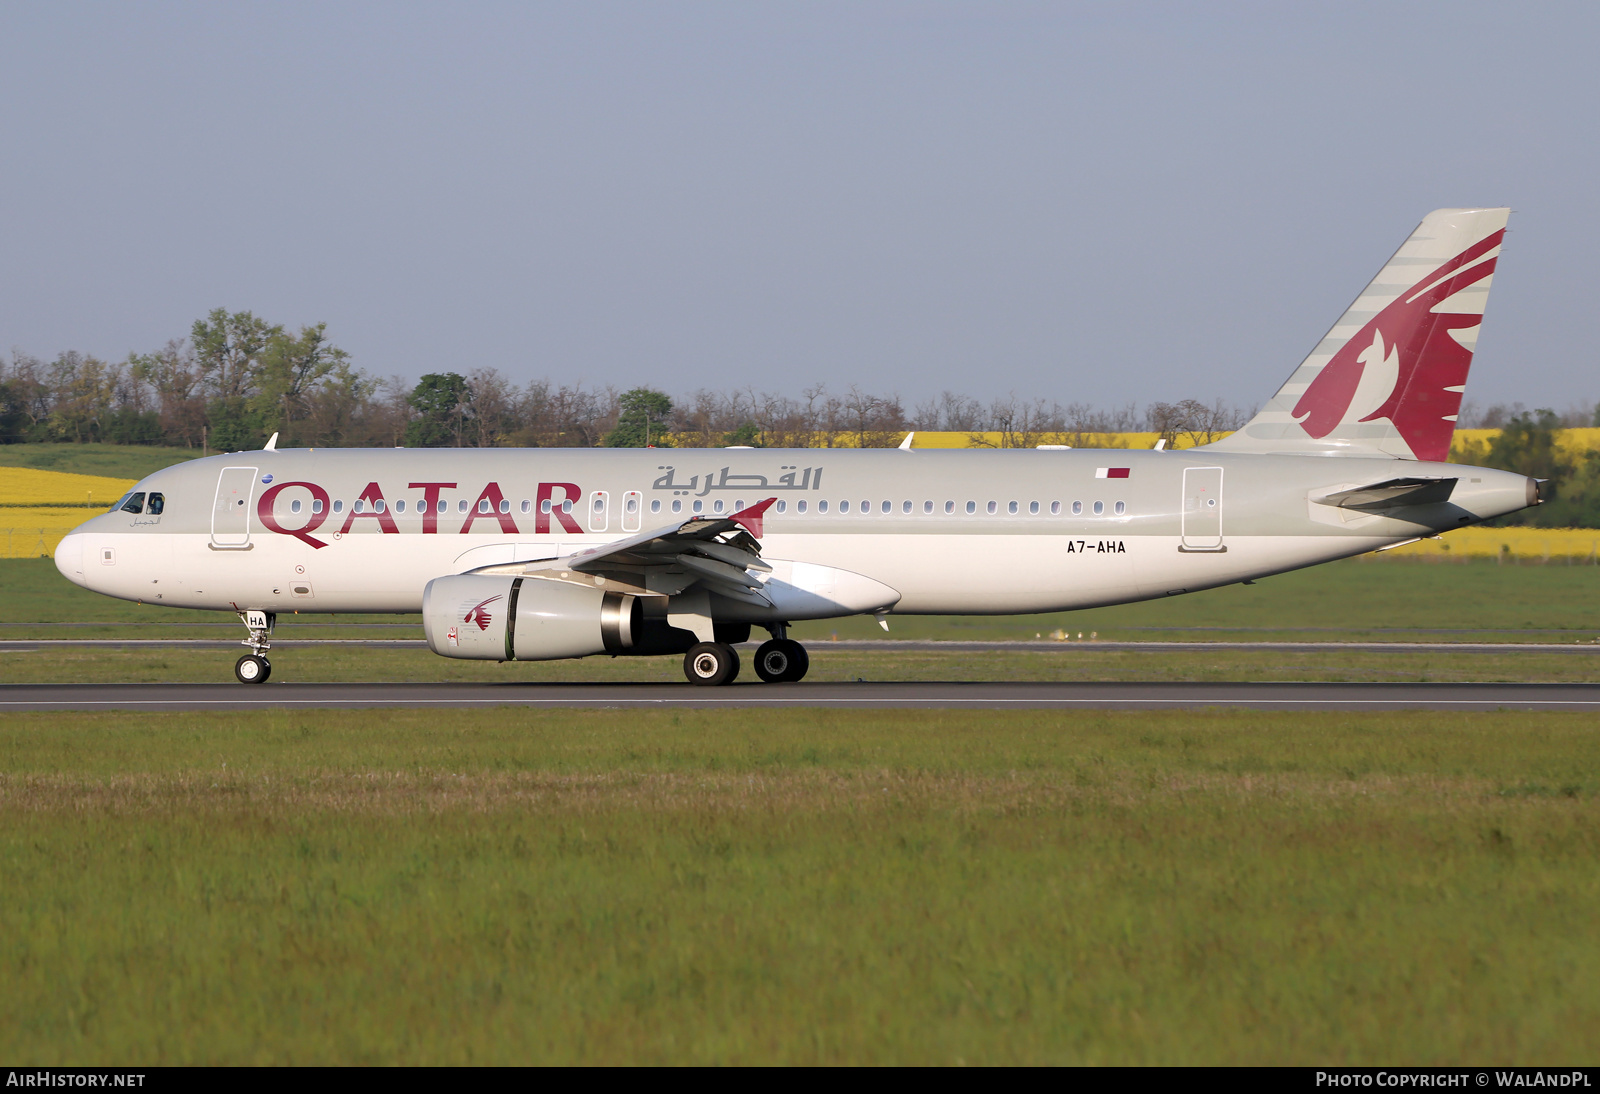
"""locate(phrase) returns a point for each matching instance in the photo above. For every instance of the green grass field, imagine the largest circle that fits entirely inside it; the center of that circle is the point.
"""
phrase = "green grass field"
(801, 886)
(1354, 600)
(123, 461)
(804, 887)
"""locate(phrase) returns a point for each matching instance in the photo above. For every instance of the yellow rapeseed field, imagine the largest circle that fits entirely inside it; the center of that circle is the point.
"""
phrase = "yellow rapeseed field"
(37, 507)
(1558, 545)
(29, 486)
(32, 531)
(30, 525)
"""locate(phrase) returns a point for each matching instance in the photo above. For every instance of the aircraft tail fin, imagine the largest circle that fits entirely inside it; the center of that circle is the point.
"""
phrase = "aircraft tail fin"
(1388, 378)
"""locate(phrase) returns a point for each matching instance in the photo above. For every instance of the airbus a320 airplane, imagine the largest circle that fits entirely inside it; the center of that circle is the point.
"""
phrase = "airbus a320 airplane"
(537, 554)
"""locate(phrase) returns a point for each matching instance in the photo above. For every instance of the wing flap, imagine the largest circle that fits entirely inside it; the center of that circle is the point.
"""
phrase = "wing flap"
(719, 552)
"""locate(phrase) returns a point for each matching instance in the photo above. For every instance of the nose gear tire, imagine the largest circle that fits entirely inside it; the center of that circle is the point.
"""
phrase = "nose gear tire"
(251, 669)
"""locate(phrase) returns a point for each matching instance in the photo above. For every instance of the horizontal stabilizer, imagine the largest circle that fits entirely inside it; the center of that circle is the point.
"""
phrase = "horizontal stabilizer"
(1391, 494)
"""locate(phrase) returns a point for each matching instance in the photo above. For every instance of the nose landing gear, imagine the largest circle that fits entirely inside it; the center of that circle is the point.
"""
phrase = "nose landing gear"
(253, 667)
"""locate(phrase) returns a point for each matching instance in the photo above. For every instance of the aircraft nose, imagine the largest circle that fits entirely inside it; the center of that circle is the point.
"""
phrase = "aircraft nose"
(69, 558)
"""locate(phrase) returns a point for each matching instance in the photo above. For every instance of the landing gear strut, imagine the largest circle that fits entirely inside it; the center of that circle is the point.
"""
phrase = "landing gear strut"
(253, 667)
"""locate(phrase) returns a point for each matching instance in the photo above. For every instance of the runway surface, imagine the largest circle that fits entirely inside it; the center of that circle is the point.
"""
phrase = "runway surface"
(863, 695)
(22, 645)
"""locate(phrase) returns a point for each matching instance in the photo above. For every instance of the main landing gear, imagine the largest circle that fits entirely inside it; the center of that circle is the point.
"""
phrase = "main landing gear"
(253, 667)
(781, 660)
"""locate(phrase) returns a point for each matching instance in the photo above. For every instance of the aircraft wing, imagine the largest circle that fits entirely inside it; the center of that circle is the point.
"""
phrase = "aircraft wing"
(719, 552)
(1391, 494)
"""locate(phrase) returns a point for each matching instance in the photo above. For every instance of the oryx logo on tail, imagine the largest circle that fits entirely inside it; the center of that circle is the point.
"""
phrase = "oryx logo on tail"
(1407, 363)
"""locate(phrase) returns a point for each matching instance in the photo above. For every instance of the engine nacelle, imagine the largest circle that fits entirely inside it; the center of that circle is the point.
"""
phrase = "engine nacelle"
(487, 618)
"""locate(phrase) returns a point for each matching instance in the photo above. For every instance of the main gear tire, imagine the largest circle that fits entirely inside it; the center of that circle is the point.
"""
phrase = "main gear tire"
(781, 660)
(711, 664)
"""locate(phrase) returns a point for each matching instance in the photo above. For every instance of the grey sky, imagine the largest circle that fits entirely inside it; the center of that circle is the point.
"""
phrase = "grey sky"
(1084, 202)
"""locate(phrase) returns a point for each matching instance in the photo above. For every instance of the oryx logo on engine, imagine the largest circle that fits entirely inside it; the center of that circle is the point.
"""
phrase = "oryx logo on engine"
(479, 613)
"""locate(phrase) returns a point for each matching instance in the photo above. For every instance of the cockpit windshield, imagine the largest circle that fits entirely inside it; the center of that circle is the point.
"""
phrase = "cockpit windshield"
(133, 503)
(116, 506)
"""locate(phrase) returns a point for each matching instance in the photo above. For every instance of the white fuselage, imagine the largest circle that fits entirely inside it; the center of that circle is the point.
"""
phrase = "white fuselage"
(957, 532)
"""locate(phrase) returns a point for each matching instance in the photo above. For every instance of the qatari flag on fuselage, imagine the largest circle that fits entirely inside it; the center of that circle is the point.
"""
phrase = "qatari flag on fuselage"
(1111, 472)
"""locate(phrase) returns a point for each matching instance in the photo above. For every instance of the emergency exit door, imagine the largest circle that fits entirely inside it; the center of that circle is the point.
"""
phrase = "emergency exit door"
(1202, 509)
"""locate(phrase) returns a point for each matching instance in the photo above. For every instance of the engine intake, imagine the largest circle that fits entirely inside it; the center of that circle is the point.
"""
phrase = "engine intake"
(486, 618)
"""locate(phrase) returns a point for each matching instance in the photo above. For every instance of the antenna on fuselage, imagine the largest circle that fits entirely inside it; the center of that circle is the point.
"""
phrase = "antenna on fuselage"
(272, 444)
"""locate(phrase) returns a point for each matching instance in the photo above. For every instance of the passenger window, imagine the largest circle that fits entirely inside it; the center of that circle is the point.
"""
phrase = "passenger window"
(866, 507)
(527, 506)
(155, 505)
(1077, 508)
(566, 506)
(949, 507)
(294, 506)
(885, 507)
(360, 506)
(822, 506)
(1121, 508)
(505, 506)
(783, 506)
(699, 507)
(716, 506)
(927, 507)
(801, 507)
(1033, 508)
(399, 506)
(655, 505)
(461, 506)
(905, 507)
(844, 507)
(677, 506)
(134, 504)
(338, 506)
(316, 505)
(972, 507)
(632, 504)
(1099, 508)
(483, 505)
(444, 506)
(1055, 508)
(992, 507)
(378, 506)
(1011, 507)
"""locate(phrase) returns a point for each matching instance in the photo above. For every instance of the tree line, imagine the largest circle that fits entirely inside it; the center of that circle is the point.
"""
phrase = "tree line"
(237, 379)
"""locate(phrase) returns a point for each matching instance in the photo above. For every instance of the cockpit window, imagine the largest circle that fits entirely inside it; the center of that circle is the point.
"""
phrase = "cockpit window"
(155, 505)
(134, 503)
(116, 506)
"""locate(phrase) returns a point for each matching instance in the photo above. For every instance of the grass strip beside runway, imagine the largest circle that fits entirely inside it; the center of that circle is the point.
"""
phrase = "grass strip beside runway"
(508, 887)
